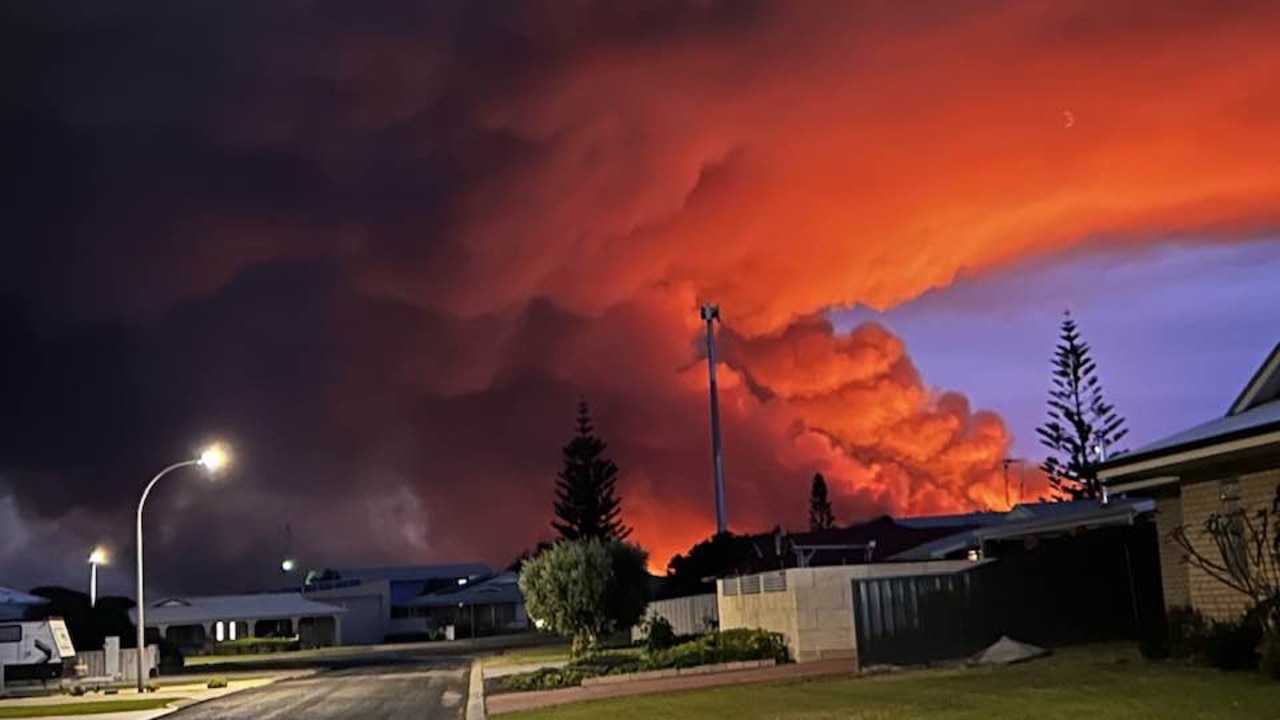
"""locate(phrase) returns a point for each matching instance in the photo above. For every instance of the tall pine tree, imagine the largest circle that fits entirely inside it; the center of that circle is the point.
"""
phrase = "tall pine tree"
(1082, 427)
(820, 515)
(587, 503)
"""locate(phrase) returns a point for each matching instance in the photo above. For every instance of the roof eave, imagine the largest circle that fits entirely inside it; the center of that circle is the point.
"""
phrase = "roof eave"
(1248, 397)
(1205, 448)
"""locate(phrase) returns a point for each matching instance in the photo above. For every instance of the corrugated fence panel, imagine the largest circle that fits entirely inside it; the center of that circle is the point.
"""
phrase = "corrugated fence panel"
(914, 619)
(1103, 585)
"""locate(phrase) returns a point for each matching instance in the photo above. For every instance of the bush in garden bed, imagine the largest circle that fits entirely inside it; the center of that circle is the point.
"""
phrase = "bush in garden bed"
(710, 649)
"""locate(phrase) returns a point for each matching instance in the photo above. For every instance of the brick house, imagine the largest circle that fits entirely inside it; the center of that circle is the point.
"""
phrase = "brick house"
(1229, 463)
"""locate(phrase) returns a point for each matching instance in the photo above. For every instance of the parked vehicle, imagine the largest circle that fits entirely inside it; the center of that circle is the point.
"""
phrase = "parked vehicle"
(35, 649)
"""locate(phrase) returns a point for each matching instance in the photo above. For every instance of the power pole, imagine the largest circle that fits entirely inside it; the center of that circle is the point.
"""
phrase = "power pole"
(1005, 463)
(711, 315)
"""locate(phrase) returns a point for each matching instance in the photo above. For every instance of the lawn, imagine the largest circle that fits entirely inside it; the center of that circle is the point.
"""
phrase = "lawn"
(83, 708)
(528, 656)
(558, 652)
(1101, 683)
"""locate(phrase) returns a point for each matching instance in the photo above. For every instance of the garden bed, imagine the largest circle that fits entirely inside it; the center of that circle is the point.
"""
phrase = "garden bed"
(712, 649)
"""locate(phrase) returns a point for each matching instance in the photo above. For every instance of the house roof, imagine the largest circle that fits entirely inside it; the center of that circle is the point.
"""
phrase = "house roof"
(973, 519)
(412, 573)
(1033, 519)
(1263, 387)
(497, 590)
(17, 598)
(1255, 412)
(871, 541)
(265, 606)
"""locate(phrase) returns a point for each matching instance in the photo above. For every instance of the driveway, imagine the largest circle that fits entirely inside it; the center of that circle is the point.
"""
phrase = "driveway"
(383, 688)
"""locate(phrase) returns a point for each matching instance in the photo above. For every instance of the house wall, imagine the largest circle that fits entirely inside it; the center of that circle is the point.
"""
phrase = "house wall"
(814, 613)
(1173, 571)
(1200, 499)
(368, 612)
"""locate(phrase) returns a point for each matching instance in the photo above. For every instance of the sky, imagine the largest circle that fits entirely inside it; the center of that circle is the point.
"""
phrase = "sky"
(382, 251)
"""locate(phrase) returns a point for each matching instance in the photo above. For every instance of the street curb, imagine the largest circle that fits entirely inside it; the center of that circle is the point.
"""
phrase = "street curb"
(475, 693)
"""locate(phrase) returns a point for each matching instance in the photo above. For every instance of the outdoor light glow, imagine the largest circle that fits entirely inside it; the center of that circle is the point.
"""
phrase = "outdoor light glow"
(462, 581)
(214, 457)
(288, 565)
(98, 556)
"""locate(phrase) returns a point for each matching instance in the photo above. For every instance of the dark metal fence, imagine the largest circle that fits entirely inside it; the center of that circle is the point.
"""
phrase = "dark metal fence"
(1101, 585)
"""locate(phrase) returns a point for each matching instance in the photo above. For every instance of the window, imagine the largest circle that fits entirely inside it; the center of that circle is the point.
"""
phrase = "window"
(219, 631)
(10, 633)
(231, 627)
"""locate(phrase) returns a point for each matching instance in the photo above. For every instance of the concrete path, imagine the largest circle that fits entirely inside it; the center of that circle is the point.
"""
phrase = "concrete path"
(391, 689)
(511, 702)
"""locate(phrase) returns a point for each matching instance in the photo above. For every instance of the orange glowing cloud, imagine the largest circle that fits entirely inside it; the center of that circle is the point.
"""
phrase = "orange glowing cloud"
(830, 154)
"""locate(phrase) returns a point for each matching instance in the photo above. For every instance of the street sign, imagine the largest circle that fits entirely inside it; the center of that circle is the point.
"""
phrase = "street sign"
(62, 638)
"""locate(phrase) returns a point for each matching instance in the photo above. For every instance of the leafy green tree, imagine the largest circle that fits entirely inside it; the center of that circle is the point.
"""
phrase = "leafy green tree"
(1082, 426)
(718, 556)
(820, 515)
(587, 503)
(586, 589)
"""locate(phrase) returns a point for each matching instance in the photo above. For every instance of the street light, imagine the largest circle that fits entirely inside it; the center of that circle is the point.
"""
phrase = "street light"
(96, 558)
(212, 459)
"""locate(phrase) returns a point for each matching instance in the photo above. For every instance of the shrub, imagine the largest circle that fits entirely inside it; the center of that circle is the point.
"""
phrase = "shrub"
(721, 647)
(658, 634)
(77, 690)
(586, 589)
(1270, 663)
(258, 646)
(152, 687)
(544, 679)
(709, 649)
(1232, 645)
(1187, 630)
(217, 683)
(608, 664)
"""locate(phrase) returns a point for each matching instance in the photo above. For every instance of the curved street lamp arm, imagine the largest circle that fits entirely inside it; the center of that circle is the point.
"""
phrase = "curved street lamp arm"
(142, 609)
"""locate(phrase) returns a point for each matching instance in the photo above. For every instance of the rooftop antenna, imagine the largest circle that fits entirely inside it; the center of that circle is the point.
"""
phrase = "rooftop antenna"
(1101, 450)
(711, 315)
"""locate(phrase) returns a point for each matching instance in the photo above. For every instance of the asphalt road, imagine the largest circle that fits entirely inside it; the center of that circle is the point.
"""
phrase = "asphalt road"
(378, 688)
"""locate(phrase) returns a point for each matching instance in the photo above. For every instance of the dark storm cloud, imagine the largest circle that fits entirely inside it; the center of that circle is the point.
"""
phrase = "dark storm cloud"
(383, 249)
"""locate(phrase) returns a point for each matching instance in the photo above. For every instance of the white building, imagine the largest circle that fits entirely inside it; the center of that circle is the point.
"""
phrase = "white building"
(198, 623)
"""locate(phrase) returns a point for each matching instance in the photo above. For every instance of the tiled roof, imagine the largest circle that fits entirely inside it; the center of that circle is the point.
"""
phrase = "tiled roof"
(497, 590)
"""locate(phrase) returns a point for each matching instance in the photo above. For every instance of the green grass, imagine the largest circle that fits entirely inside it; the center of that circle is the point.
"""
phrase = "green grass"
(83, 708)
(541, 654)
(528, 656)
(1106, 683)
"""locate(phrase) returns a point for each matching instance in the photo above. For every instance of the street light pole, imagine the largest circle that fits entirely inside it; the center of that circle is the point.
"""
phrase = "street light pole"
(710, 314)
(96, 558)
(211, 459)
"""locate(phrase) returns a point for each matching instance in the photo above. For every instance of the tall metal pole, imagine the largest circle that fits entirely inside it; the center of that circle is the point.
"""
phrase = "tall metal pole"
(710, 315)
(142, 603)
